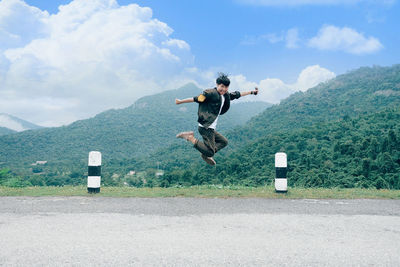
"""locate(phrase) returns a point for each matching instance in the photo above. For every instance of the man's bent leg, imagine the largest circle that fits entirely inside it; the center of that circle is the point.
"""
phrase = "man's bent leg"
(207, 147)
(220, 141)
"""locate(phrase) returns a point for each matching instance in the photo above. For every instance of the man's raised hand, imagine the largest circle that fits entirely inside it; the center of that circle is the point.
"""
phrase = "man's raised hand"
(255, 92)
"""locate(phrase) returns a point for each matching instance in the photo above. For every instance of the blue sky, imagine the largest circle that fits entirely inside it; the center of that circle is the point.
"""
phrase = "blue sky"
(217, 32)
(128, 51)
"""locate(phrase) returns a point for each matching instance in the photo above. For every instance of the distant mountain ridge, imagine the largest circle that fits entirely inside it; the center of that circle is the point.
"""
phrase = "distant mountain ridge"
(4, 131)
(15, 124)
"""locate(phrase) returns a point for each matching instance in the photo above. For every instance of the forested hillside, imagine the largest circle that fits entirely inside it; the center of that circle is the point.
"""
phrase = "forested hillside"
(358, 92)
(4, 131)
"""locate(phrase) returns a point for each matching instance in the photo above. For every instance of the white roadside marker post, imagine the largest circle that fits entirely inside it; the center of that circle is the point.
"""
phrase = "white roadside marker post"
(94, 172)
(281, 172)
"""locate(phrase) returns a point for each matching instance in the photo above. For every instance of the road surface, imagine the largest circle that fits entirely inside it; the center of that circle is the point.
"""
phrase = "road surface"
(97, 231)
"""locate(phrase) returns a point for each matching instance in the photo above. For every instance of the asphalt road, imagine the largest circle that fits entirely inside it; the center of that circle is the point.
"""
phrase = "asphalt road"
(95, 231)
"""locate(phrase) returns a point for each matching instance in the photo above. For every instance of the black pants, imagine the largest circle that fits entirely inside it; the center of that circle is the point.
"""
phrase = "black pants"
(213, 142)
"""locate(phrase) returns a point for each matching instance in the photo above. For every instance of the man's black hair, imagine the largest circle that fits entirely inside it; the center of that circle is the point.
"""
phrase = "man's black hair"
(223, 78)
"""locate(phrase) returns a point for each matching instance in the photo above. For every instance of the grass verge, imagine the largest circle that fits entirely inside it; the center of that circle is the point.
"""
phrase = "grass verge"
(205, 191)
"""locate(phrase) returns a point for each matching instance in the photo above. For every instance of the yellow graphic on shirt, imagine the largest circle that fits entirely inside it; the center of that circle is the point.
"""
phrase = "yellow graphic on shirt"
(201, 98)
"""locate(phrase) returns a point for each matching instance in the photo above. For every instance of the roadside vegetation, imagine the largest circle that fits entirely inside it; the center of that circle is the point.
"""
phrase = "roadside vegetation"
(205, 191)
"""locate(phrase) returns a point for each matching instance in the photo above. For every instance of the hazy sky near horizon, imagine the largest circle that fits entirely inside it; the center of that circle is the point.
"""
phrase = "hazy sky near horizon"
(66, 60)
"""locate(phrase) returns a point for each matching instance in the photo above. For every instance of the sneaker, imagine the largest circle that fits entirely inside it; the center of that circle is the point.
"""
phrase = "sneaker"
(185, 135)
(209, 160)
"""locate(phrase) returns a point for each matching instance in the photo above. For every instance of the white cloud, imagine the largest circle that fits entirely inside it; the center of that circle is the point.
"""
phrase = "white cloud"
(273, 90)
(312, 76)
(240, 82)
(88, 57)
(20, 23)
(329, 37)
(273, 38)
(270, 37)
(177, 43)
(292, 3)
(292, 38)
(344, 39)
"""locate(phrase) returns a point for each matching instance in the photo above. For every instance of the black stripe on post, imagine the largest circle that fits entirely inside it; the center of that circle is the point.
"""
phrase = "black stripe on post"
(94, 171)
(281, 172)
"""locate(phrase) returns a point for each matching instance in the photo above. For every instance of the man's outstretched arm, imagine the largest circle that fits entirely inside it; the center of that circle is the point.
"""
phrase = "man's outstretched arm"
(237, 94)
(254, 92)
(181, 101)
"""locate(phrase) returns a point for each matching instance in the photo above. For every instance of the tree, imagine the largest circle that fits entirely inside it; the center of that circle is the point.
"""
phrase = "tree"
(366, 167)
(386, 163)
(5, 174)
(392, 141)
(381, 184)
(373, 148)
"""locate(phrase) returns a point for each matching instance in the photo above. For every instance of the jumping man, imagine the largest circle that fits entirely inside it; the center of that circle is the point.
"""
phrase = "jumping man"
(212, 103)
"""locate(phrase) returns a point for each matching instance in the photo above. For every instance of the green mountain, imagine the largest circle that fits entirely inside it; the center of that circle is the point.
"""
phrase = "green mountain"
(358, 92)
(149, 124)
(4, 131)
